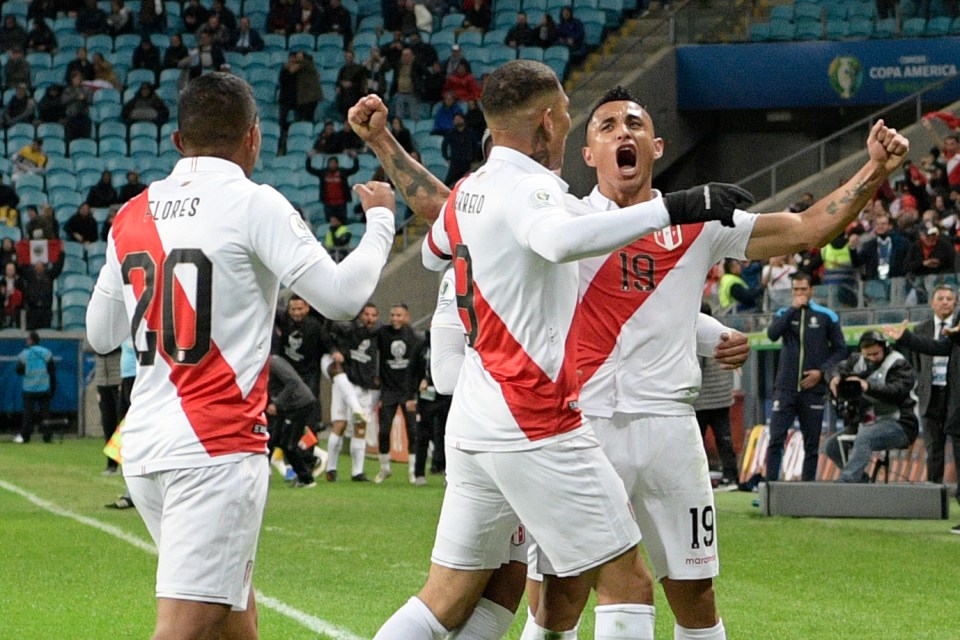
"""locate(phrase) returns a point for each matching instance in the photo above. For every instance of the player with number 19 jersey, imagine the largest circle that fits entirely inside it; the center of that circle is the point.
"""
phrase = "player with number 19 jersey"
(200, 288)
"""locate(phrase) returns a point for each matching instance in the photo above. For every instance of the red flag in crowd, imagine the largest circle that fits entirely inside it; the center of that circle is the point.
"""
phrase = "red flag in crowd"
(34, 251)
(951, 120)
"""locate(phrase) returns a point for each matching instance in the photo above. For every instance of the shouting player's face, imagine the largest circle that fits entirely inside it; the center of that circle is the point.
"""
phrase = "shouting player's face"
(621, 145)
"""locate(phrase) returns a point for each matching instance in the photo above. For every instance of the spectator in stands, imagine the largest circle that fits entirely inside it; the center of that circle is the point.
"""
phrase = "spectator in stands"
(477, 15)
(108, 223)
(207, 56)
(406, 103)
(82, 64)
(219, 34)
(883, 256)
(570, 33)
(930, 256)
(145, 106)
(456, 57)
(132, 188)
(437, 8)
(351, 84)
(43, 10)
(443, 117)
(11, 276)
(17, 70)
(888, 406)
(247, 39)
(430, 84)
(34, 229)
(12, 35)
(462, 84)
(51, 226)
(346, 140)
(309, 17)
(194, 15)
(289, 82)
(176, 53)
(29, 159)
(813, 344)
(402, 134)
(838, 270)
(283, 16)
(335, 193)
(336, 19)
(12, 300)
(9, 217)
(394, 49)
(104, 76)
(90, 20)
(8, 252)
(776, 278)
(120, 19)
(38, 279)
(20, 108)
(337, 238)
(476, 121)
(50, 108)
(407, 21)
(734, 292)
(546, 31)
(888, 8)
(8, 195)
(153, 17)
(102, 194)
(376, 67)
(42, 39)
(36, 365)
(423, 52)
(76, 100)
(460, 148)
(147, 56)
(227, 18)
(521, 34)
(325, 142)
(82, 227)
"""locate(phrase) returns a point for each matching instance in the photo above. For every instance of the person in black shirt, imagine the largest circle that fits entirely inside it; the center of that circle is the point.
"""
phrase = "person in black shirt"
(82, 64)
(301, 340)
(103, 194)
(82, 227)
(356, 349)
(132, 188)
(146, 56)
(288, 411)
(398, 345)
(175, 53)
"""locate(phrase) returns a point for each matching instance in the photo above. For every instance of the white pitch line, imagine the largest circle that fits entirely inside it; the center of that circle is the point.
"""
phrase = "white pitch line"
(312, 623)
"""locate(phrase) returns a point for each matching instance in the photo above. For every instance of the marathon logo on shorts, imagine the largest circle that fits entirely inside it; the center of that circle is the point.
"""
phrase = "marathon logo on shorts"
(519, 536)
(699, 561)
(669, 238)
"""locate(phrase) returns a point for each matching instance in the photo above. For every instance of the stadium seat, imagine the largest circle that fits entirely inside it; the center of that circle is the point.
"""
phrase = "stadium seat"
(112, 145)
(782, 12)
(937, 27)
(48, 130)
(495, 37)
(862, 9)
(861, 27)
(470, 37)
(804, 10)
(10, 232)
(614, 12)
(885, 28)
(20, 130)
(913, 27)
(330, 57)
(86, 179)
(65, 198)
(74, 319)
(782, 30)
(136, 77)
(82, 147)
(99, 43)
(299, 144)
(501, 53)
(955, 26)
(836, 11)
(593, 31)
(75, 281)
(760, 32)
(143, 130)
(330, 40)
(451, 21)
(301, 42)
(837, 29)
(61, 179)
(530, 53)
(274, 42)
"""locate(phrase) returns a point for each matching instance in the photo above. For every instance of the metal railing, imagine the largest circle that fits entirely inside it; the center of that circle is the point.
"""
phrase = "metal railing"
(768, 182)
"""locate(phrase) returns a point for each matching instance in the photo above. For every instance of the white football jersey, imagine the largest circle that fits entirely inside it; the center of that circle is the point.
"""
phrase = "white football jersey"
(198, 259)
(518, 385)
(639, 308)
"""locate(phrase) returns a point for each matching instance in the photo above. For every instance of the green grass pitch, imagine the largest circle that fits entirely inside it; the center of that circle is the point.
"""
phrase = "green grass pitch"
(337, 560)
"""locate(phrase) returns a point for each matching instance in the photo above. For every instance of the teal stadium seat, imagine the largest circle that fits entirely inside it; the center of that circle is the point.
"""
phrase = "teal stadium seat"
(955, 26)
(760, 32)
(914, 27)
(837, 29)
(807, 11)
(808, 30)
(143, 130)
(301, 42)
(136, 77)
(530, 53)
(782, 30)
(451, 21)
(937, 27)
(468, 38)
(886, 28)
(861, 27)
(495, 36)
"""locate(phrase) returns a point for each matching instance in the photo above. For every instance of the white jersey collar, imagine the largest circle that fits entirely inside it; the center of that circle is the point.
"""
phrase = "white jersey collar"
(600, 202)
(207, 164)
(526, 163)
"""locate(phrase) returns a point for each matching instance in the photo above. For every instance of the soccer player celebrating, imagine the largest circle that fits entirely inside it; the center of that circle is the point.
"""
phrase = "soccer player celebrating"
(194, 265)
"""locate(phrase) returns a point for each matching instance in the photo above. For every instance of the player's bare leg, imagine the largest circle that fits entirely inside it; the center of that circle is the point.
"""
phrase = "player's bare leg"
(444, 603)
(494, 613)
(242, 625)
(694, 605)
(191, 620)
(334, 445)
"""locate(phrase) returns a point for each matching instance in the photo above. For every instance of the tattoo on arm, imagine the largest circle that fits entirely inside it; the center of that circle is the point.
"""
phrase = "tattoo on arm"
(849, 196)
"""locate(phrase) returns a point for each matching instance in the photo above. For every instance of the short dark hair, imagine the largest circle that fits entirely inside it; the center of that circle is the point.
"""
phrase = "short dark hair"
(872, 338)
(517, 84)
(617, 94)
(34, 337)
(215, 112)
(401, 305)
(802, 275)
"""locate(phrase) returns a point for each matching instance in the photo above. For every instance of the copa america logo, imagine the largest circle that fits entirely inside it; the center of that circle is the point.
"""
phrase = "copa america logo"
(846, 76)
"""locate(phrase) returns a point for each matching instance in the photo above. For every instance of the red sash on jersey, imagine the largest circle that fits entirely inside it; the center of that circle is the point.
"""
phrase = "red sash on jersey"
(621, 286)
(221, 417)
(542, 408)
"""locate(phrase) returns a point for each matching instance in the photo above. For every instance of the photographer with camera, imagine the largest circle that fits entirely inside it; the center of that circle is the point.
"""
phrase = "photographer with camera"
(876, 385)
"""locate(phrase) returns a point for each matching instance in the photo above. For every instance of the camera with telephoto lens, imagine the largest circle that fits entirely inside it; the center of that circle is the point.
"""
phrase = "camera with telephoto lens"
(849, 397)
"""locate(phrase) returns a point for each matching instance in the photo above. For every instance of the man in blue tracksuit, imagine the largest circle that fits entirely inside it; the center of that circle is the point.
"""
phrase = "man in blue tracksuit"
(35, 364)
(812, 345)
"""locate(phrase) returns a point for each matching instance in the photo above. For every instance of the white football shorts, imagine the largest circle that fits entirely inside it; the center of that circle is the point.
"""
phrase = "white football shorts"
(205, 522)
(566, 494)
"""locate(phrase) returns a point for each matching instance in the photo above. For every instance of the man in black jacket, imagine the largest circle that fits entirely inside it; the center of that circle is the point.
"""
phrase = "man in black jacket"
(289, 409)
(887, 404)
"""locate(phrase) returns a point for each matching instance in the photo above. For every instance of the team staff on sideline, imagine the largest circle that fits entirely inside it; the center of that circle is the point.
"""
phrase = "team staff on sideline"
(813, 344)
(194, 266)
(356, 350)
(290, 406)
(35, 363)
(517, 449)
(772, 232)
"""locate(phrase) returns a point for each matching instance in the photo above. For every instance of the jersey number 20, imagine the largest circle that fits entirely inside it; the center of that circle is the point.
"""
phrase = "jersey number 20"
(144, 262)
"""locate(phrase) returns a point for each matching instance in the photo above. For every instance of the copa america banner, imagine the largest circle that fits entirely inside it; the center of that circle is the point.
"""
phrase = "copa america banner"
(815, 74)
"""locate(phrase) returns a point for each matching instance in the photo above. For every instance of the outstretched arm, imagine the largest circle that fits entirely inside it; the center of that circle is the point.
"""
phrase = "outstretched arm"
(779, 233)
(420, 189)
